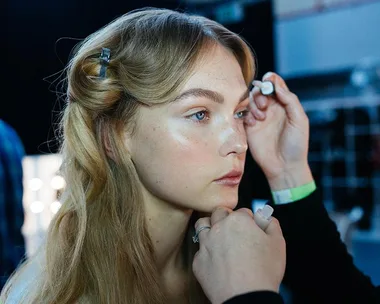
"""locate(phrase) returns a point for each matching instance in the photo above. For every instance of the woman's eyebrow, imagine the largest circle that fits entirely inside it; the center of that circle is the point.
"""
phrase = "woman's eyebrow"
(209, 94)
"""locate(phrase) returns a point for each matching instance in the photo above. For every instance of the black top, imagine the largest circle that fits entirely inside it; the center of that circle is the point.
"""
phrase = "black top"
(319, 268)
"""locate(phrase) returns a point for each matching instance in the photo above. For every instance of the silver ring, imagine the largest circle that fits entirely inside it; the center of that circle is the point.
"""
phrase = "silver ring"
(195, 237)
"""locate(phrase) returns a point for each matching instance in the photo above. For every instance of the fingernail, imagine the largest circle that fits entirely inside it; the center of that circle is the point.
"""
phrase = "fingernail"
(261, 103)
(267, 75)
(251, 97)
(267, 212)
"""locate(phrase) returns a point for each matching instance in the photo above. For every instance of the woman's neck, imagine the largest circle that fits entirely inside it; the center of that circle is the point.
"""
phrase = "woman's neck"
(167, 226)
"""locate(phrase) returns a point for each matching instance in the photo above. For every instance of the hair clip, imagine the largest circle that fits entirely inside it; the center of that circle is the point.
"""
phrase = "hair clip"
(104, 61)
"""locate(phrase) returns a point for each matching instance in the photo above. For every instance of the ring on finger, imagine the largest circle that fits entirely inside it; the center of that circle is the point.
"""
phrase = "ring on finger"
(196, 236)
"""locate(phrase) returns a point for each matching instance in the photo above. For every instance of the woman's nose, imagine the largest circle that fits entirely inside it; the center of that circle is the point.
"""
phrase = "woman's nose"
(234, 140)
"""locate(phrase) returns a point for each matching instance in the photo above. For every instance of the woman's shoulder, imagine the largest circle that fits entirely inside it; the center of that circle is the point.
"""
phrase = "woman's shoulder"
(23, 283)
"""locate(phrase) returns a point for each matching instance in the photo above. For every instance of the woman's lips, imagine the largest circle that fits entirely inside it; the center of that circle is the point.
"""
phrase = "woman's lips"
(232, 178)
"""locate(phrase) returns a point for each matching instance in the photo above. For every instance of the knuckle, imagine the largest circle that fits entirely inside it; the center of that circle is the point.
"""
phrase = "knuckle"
(293, 96)
(194, 266)
(277, 224)
(275, 221)
(199, 259)
(200, 221)
(239, 218)
(197, 223)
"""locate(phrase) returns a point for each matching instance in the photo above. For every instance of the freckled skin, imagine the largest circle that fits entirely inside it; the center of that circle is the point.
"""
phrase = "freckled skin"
(177, 157)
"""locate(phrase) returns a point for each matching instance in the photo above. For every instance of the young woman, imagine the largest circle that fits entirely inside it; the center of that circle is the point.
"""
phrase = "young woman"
(153, 133)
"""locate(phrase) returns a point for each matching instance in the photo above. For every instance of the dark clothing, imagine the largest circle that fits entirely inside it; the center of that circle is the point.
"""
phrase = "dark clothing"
(12, 246)
(319, 269)
(258, 297)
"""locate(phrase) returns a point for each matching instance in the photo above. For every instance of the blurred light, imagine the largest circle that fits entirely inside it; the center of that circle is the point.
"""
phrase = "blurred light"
(230, 12)
(54, 207)
(359, 79)
(37, 207)
(366, 73)
(35, 184)
(258, 204)
(57, 182)
(356, 214)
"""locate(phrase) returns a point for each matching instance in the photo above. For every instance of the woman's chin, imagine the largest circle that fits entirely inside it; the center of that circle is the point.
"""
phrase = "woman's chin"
(208, 202)
(228, 199)
(229, 203)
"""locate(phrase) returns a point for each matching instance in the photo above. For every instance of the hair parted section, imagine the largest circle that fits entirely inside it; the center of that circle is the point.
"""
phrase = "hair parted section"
(98, 249)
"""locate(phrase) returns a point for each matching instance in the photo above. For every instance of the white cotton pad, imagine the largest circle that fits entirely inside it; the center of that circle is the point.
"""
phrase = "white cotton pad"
(267, 88)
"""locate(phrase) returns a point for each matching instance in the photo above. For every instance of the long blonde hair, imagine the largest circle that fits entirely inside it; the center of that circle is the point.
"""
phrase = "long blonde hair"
(98, 249)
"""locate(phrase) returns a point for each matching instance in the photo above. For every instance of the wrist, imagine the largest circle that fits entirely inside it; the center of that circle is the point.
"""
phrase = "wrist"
(291, 178)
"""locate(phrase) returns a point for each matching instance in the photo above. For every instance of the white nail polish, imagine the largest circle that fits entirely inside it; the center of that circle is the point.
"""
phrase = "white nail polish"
(267, 212)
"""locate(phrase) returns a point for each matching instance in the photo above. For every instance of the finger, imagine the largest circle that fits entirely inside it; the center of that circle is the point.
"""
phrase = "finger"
(249, 120)
(254, 93)
(262, 98)
(202, 222)
(262, 102)
(219, 214)
(291, 104)
(288, 99)
(274, 228)
(261, 221)
(257, 113)
(245, 210)
(263, 217)
(276, 79)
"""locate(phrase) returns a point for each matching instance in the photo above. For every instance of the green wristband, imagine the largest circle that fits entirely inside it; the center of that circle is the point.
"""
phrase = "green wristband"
(293, 194)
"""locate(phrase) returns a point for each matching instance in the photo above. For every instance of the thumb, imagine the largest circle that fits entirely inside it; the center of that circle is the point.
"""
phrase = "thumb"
(274, 228)
(263, 217)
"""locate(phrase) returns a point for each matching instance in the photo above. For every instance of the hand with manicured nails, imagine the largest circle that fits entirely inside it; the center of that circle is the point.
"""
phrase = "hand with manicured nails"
(236, 256)
(278, 135)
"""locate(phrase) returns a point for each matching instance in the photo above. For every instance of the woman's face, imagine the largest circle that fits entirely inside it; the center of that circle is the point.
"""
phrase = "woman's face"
(182, 149)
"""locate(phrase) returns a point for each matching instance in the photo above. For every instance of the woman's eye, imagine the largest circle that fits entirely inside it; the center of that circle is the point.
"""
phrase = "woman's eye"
(200, 116)
(242, 114)
(203, 116)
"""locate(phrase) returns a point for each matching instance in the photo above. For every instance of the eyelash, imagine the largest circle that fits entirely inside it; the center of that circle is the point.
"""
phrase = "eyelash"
(207, 115)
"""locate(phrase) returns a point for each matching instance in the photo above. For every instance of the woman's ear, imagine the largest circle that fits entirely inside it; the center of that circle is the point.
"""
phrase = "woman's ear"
(110, 145)
(107, 145)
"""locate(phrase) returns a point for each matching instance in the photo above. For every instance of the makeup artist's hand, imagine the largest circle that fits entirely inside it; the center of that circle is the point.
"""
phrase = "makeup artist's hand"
(278, 135)
(236, 256)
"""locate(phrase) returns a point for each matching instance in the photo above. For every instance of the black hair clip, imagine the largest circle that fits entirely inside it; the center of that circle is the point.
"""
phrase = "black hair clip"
(104, 61)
